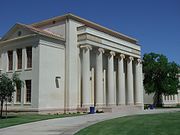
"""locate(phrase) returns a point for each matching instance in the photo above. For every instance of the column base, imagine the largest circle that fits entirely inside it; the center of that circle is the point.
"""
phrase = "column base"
(138, 104)
(111, 105)
(100, 105)
(122, 104)
(87, 105)
(125, 108)
(130, 103)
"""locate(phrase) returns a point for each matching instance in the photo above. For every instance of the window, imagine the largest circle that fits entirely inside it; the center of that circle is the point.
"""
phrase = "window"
(170, 97)
(54, 22)
(173, 97)
(19, 58)
(165, 98)
(18, 95)
(10, 60)
(28, 91)
(29, 57)
(19, 33)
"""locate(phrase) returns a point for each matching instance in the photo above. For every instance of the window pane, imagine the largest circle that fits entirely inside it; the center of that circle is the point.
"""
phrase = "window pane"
(10, 59)
(19, 58)
(29, 57)
(18, 95)
(28, 90)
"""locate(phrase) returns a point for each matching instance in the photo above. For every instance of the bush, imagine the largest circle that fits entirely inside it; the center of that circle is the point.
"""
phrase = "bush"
(97, 111)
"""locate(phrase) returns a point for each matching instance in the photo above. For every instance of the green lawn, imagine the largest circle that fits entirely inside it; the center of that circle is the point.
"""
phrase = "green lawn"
(21, 119)
(154, 124)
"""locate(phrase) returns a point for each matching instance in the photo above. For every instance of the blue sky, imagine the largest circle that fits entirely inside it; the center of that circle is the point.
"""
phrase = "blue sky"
(155, 23)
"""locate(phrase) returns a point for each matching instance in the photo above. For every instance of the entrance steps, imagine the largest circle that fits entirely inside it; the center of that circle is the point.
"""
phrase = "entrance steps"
(126, 108)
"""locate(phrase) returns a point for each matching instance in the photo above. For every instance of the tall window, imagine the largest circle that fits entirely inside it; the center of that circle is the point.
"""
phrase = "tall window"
(19, 58)
(18, 95)
(29, 57)
(28, 91)
(173, 97)
(10, 59)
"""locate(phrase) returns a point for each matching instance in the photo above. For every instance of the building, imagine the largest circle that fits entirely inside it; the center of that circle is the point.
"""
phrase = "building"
(168, 100)
(172, 100)
(69, 64)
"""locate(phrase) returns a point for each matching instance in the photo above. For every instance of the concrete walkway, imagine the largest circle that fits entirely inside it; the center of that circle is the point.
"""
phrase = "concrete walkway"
(69, 125)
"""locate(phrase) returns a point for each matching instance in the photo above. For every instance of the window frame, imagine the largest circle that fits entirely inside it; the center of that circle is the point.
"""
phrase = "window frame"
(29, 57)
(19, 59)
(10, 60)
(28, 91)
(18, 95)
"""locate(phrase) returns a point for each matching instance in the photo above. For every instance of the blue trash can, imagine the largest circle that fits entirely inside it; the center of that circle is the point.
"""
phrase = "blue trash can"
(92, 110)
(151, 106)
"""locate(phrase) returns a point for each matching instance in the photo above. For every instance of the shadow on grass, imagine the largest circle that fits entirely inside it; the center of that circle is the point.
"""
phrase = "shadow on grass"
(9, 117)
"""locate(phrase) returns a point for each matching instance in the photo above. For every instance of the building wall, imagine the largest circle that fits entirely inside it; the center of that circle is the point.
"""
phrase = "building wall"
(72, 65)
(148, 99)
(58, 28)
(57, 74)
(25, 73)
(51, 76)
(48, 62)
(16, 31)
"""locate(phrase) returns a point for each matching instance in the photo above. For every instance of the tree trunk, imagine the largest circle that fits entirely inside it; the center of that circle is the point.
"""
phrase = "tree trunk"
(158, 99)
(1, 108)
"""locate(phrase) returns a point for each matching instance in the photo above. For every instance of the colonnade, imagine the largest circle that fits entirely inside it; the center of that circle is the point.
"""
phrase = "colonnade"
(130, 87)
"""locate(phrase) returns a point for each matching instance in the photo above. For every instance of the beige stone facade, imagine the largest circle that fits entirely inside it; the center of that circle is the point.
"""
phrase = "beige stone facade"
(76, 64)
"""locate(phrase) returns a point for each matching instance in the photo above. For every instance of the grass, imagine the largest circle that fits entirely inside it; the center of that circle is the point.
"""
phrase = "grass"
(26, 118)
(151, 124)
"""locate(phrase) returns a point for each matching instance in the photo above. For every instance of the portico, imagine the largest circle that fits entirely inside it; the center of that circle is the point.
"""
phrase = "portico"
(123, 88)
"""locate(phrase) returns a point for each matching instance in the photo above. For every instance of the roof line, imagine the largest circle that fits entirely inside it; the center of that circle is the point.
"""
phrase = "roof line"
(41, 32)
(87, 23)
(18, 38)
(33, 29)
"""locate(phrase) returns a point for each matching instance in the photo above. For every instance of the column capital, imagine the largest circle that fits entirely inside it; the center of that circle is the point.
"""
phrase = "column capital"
(100, 50)
(87, 47)
(130, 58)
(139, 61)
(112, 53)
(121, 56)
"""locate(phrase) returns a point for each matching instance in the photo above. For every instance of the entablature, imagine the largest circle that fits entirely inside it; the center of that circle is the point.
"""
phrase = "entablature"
(98, 39)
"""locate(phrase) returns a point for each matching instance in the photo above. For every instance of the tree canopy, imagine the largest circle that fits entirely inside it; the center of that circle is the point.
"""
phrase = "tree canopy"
(160, 76)
(7, 87)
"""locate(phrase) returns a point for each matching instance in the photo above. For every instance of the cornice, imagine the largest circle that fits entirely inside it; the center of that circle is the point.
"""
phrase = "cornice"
(86, 23)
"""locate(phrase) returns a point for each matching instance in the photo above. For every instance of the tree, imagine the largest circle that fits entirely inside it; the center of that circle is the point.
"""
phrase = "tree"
(160, 76)
(7, 87)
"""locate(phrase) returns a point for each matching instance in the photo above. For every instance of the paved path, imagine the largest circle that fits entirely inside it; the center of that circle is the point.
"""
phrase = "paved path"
(69, 125)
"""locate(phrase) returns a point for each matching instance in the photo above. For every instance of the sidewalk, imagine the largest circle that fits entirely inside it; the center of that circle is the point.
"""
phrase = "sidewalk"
(70, 125)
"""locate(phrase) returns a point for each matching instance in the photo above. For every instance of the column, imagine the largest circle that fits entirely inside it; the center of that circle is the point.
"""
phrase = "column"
(92, 83)
(24, 58)
(86, 93)
(130, 91)
(110, 92)
(178, 95)
(104, 87)
(5, 62)
(138, 83)
(121, 80)
(99, 77)
(14, 60)
(14, 69)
